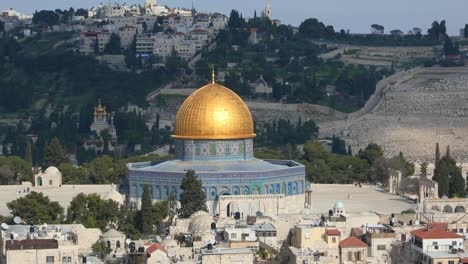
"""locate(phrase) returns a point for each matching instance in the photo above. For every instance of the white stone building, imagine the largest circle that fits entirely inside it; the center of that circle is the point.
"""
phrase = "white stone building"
(114, 240)
(127, 35)
(51, 177)
(48, 243)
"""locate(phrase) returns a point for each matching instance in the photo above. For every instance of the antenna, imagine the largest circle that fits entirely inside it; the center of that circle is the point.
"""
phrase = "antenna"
(17, 220)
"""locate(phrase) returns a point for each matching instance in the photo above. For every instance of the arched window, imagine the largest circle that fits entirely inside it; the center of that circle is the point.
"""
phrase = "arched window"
(117, 245)
(108, 244)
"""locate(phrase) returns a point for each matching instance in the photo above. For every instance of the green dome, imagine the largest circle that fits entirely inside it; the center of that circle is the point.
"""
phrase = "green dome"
(339, 205)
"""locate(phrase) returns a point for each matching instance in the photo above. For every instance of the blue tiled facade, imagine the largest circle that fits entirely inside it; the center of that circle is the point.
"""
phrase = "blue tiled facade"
(226, 167)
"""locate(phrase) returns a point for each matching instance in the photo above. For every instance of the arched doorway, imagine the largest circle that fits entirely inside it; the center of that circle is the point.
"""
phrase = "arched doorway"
(232, 208)
(448, 209)
(460, 209)
(39, 181)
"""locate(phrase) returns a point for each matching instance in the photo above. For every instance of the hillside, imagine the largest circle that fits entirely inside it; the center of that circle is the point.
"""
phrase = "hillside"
(417, 109)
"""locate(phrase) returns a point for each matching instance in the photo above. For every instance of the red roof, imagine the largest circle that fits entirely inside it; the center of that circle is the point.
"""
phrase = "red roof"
(332, 232)
(155, 247)
(434, 233)
(31, 244)
(352, 242)
(464, 260)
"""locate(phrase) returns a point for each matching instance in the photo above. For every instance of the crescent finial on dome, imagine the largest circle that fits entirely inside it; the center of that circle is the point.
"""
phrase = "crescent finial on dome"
(213, 77)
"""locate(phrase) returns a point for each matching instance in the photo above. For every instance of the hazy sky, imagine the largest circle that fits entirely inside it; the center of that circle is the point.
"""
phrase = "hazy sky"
(355, 15)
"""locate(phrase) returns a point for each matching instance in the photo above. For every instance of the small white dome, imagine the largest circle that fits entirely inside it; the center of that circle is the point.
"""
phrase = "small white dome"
(52, 171)
(200, 223)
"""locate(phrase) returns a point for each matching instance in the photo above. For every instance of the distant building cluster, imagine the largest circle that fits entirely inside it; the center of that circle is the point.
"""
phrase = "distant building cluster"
(184, 34)
(157, 29)
(13, 19)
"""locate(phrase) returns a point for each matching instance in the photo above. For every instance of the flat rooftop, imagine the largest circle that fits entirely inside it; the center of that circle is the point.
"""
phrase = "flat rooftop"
(221, 251)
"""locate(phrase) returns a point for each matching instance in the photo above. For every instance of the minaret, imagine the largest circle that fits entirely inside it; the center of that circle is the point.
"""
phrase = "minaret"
(268, 10)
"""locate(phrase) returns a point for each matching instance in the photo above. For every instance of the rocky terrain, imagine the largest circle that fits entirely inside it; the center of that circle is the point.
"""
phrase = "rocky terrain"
(410, 112)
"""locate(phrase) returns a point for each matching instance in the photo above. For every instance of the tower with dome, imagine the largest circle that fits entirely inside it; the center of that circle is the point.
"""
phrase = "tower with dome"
(102, 121)
(214, 133)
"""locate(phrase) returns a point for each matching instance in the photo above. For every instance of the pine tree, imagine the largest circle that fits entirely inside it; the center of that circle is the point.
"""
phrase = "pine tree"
(157, 120)
(146, 213)
(54, 154)
(437, 153)
(192, 198)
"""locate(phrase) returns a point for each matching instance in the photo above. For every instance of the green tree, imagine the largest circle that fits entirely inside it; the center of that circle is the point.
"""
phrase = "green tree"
(28, 154)
(15, 167)
(192, 198)
(465, 31)
(424, 169)
(93, 212)
(437, 153)
(408, 166)
(449, 177)
(46, 17)
(101, 249)
(54, 154)
(146, 220)
(35, 208)
(2, 26)
(114, 45)
(74, 175)
(371, 153)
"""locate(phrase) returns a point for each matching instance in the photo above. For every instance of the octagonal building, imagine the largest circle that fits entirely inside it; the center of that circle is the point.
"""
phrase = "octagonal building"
(214, 134)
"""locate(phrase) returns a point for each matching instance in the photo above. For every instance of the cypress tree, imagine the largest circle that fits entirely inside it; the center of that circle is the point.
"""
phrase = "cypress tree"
(146, 212)
(447, 153)
(192, 198)
(441, 176)
(28, 154)
(350, 151)
(437, 153)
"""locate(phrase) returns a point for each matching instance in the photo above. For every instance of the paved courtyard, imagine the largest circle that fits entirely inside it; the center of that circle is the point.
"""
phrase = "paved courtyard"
(369, 198)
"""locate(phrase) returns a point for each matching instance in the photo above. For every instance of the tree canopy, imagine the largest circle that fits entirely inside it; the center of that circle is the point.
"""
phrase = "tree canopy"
(93, 212)
(192, 199)
(113, 46)
(35, 208)
(54, 154)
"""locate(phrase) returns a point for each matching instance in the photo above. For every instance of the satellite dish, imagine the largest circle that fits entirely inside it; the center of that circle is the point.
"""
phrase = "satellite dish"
(4, 226)
(158, 239)
(127, 241)
(17, 220)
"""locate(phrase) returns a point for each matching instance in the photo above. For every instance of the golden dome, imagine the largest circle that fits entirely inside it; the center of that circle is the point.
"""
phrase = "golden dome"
(213, 112)
(100, 110)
